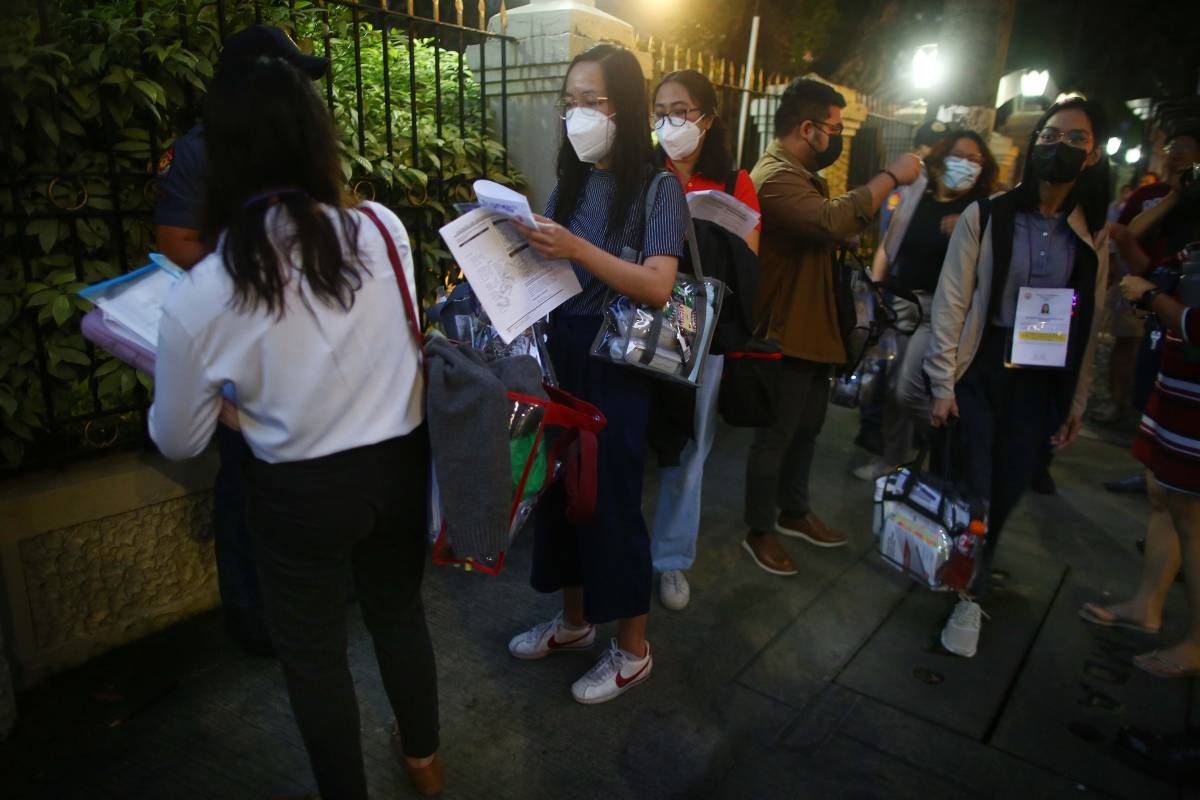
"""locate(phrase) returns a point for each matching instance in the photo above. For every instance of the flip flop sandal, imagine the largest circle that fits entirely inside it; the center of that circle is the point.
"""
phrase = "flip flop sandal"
(1160, 667)
(1090, 612)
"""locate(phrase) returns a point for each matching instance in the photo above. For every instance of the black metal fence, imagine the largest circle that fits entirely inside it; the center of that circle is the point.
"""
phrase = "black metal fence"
(97, 101)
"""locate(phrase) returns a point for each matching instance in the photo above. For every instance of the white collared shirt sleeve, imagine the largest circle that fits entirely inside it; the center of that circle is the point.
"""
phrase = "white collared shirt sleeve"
(186, 401)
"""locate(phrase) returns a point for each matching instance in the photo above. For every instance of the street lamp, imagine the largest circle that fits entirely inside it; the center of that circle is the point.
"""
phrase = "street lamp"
(1133, 155)
(1033, 83)
(926, 71)
(1114, 145)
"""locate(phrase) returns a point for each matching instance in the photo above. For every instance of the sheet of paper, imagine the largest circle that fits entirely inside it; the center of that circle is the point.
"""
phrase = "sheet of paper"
(133, 302)
(1042, 327)
(724, 209)
(504, 200)
(514, 284)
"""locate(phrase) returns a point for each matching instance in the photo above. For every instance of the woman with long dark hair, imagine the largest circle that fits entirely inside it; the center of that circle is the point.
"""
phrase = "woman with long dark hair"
(1044, 239)
(298, 310)
(693, 143)
(596, 218)
(959, 170)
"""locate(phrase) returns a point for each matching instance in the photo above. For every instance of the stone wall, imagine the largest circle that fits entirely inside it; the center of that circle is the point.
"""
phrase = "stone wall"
(114, 579)
(99, 555)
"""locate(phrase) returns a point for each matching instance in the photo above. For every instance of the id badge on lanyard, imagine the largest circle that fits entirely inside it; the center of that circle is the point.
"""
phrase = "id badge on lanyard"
(1042, 328)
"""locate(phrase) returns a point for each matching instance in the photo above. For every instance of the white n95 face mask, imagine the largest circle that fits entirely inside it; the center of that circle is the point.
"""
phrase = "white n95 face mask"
(960, 173)
(591, 133)
(680, 141)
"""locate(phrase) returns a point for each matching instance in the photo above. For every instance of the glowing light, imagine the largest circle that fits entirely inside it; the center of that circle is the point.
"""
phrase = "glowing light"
(1133, 155)
(1033, 83)
(1114, 146)
(926, 69)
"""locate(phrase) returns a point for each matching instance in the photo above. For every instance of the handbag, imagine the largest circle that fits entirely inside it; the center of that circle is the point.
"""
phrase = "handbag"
(672, 341)
(750, 384)
(570, 425)
(926, 527)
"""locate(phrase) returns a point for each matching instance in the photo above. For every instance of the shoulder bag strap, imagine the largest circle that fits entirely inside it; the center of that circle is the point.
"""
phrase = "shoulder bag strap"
(731, 182)
(410, 309)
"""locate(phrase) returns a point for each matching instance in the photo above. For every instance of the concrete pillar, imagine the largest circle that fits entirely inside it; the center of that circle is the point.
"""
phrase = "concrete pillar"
(549, 34)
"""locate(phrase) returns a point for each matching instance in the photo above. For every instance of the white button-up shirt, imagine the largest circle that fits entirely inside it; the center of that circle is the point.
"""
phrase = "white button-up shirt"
(318, 381)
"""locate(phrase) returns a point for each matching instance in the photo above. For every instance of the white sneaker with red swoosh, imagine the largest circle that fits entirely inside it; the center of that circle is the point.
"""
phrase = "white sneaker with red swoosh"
(615, 673)
(551, 637)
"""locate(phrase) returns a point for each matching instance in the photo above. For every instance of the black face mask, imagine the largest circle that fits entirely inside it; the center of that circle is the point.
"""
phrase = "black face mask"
(1058, 162)
(831, 153)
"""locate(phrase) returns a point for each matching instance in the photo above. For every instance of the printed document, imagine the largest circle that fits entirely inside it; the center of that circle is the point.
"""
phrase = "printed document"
(132, 303)
(514, 284)
(724, 209)
(1042, 327)
(504, 200)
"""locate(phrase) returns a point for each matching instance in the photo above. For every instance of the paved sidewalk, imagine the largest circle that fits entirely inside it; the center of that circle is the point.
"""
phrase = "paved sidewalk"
(829, 684)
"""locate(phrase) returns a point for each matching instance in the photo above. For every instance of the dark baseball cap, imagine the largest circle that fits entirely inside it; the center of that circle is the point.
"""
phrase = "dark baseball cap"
(931, 133)
(267, 40)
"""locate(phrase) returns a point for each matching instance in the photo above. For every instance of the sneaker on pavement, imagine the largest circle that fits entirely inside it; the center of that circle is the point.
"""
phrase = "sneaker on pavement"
(873, 470)
(673, 590)
(614, 674)
(551, 637)
(961, 634)
(811, 529)
(767, 551)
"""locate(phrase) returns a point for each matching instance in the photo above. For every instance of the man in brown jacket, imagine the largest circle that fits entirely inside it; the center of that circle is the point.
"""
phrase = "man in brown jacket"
(801, 227)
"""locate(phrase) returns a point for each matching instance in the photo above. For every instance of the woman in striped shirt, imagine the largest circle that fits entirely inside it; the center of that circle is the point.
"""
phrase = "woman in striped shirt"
(596, 218)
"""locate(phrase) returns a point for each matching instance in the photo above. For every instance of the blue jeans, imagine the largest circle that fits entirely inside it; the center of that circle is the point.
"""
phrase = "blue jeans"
(677, 520)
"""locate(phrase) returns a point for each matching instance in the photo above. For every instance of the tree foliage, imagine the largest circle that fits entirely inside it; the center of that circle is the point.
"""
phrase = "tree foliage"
(96, 90)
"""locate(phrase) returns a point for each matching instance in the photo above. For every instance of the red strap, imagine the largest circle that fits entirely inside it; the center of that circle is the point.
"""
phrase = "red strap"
(410, 308)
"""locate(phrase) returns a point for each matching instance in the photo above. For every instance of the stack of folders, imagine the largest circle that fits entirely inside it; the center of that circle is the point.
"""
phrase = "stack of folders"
(128, 310)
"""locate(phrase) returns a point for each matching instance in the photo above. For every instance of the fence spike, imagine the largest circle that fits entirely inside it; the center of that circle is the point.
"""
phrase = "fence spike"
(410, 7)
(761, 80)
(458, 12)
(689, 58)
(503, 18)
(483, 15)
(675, 62)
(437, 11)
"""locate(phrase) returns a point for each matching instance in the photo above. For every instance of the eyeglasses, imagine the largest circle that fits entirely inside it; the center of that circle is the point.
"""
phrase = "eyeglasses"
(834, 130)
(974, 158)
(676, 118)
(566, 104)
(1075, 138)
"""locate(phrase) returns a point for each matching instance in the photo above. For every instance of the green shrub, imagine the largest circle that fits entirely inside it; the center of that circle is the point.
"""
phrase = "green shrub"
(95, 96)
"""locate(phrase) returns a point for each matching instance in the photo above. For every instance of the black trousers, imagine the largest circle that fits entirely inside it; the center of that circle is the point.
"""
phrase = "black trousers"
(1007, 417)
(362, 509)
(781, 457)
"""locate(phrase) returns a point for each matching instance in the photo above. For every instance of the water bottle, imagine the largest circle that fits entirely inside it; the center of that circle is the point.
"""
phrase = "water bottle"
(959, 569)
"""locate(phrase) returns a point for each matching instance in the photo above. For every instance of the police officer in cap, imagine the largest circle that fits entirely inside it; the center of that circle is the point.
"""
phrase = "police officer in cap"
(181, 180)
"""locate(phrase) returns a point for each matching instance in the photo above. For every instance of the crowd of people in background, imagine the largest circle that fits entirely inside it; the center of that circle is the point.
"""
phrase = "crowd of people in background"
(296, 298)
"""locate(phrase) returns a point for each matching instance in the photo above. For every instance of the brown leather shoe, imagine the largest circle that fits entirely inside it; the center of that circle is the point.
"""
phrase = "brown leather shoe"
(429, 780)
(769, 554)
(811, 529)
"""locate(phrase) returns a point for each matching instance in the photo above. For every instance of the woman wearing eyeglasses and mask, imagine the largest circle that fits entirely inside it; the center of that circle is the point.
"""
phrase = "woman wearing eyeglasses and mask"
(960, 170)
(693, 144)
(596, 217)
(1017, 379)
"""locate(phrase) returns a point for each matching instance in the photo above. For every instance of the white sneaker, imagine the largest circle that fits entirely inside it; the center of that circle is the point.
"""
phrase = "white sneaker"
(551, 637)
(961, 634)
(873, 470)
(673, 590)
(614, 674)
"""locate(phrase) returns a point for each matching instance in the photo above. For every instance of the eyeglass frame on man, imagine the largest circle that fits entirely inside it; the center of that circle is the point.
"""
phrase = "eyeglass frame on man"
(1057, 136)
(821, 124)
(564, 105)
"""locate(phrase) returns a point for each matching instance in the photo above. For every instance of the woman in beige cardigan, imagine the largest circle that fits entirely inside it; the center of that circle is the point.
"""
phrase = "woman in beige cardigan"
(1046, 234)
